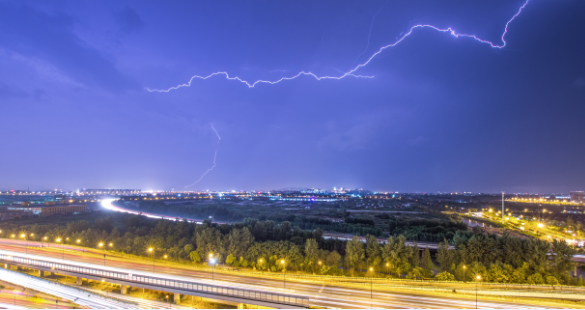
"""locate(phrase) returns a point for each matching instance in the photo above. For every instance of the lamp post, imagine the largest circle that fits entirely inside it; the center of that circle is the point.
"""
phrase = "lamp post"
(283, 273)
(464, 274)
(166, 256)
(371, 284)
(101, 245)
(62, 248)
(26, 238)
(477, 278)
(212, 261)
(78, 241)
(151, 250)
(167, 297)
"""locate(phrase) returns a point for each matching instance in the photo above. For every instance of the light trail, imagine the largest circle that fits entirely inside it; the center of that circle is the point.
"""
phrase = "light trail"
(214, 157)
(63, 291)
(107, 204)
(352, 72)
(328, 296)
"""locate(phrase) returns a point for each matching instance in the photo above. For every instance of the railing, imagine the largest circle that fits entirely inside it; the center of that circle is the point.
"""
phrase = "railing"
(165, 283)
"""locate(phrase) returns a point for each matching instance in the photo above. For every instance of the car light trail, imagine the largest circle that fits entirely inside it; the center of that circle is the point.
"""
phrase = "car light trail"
(352, 72)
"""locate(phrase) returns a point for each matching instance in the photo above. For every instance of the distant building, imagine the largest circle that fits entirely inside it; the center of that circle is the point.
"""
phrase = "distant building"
(112, 191)
(47, 210)
(576, 196)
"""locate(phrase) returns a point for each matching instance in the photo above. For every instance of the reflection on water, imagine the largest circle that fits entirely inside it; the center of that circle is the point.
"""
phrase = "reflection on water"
(473, 223)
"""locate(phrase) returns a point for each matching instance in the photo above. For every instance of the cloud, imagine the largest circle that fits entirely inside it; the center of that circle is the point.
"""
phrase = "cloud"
(51, 39)
(128, 20)
(579, 83)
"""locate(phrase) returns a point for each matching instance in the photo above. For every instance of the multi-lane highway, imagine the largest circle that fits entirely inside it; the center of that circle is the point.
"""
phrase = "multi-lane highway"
(77, 296)
(320, 294)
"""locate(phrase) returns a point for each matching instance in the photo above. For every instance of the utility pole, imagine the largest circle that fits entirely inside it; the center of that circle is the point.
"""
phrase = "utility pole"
(502, 207)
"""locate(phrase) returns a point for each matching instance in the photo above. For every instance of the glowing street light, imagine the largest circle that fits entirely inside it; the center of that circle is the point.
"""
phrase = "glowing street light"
(213, 262)
(151, 250)
(283, 273)
(477, 278)
(62, 247)
(371, 284)
(24, 236)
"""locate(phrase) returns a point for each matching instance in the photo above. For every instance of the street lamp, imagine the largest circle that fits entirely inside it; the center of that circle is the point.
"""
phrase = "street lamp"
(212, 261)
(283, 273)
(62, 248)
(478, 278)
(101, 245)
(165, 258)
(464, 274)
(167, 297)
(83, 249)
(151, 250)
(371, 284)
(26, 238)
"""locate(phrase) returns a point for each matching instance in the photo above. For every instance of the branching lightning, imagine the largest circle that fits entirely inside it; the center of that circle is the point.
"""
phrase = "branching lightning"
(351, 73)
(214, 157)
(370, 32)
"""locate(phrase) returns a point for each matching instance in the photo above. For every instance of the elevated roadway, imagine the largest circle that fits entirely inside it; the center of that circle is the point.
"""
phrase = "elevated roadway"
(319, 293)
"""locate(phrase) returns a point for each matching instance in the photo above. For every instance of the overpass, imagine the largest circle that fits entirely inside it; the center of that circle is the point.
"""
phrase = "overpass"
(134, 278)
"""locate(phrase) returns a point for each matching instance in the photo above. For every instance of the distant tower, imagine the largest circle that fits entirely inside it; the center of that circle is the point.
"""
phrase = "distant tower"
(502, 207)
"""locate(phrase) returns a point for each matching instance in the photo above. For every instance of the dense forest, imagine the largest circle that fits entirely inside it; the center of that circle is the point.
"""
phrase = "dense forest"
(263, 244)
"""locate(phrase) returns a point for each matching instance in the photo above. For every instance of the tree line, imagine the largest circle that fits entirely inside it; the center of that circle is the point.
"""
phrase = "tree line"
(266, 245)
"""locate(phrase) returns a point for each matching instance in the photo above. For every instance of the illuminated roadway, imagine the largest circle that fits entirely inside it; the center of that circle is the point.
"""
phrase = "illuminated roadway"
(320, 294)
(75, 295)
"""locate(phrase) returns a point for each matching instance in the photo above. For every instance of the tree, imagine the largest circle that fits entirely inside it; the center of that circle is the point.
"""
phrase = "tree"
(394, 252)
(444, 276)
(562, 260)
(355, 252)
(311, 252)
(552, 281)
(373, 250)
(497, 274)
(535, 279)
(414, 255)
(333, 258)
(194, 256)
(230, 259)
(416, 273)
(427, 263)
(445, 256)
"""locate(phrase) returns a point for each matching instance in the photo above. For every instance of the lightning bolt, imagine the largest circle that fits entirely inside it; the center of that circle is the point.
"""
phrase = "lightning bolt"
(214, 157)
(351, 73)
(370, 33)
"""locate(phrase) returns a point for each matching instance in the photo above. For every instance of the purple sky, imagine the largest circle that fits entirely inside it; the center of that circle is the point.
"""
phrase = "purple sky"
(440, 113)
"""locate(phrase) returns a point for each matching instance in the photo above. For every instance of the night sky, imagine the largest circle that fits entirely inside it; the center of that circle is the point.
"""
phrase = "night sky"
(440, 113)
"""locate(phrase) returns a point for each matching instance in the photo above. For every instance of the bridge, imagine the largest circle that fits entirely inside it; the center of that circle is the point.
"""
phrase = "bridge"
(140, 279)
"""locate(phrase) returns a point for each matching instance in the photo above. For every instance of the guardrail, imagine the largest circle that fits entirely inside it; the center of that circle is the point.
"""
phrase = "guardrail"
(164, 283)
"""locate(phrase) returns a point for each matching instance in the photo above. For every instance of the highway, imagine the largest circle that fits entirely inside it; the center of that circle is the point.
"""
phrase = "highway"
(89, 298)
(320, 294)
(63, 291)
